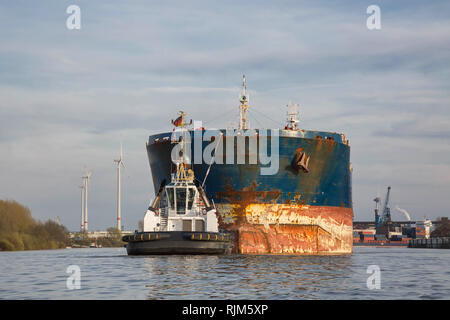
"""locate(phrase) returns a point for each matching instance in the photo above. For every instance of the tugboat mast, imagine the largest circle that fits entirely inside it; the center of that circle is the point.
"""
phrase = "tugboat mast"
(243, 98)
(182, 175)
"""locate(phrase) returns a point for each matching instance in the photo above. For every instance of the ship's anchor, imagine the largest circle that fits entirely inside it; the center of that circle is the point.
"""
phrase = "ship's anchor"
(301, 160)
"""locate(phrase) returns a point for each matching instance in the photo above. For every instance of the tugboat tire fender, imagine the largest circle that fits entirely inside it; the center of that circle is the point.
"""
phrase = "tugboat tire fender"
(207, 237)
(143, 237)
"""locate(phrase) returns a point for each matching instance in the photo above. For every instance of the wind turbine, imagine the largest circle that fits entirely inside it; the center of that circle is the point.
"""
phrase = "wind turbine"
(86, 178)
(82, 207)
(119, 163)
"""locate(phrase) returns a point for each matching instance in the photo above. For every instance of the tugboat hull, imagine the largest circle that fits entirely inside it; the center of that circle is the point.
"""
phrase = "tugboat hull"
(177, 242)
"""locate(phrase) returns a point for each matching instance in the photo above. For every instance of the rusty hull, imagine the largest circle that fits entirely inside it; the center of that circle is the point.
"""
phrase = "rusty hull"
(288, 228)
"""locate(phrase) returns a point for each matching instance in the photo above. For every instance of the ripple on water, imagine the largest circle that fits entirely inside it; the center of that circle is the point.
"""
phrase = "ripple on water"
(111, 274)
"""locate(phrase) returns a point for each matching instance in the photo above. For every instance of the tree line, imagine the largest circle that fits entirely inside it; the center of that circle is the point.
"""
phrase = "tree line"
(19, 231)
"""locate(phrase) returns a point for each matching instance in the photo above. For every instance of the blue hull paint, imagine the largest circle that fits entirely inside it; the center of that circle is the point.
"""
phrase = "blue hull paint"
(328, 182)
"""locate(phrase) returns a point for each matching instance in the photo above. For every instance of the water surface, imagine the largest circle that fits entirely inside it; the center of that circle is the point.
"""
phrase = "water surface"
(109, 273)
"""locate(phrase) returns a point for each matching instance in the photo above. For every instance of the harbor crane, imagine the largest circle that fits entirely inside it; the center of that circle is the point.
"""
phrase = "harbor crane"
(384, 218)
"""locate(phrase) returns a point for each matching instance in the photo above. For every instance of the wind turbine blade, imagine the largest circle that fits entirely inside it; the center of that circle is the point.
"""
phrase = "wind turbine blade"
(125, 169)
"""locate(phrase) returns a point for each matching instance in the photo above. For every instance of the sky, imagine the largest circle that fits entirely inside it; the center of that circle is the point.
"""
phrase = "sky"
(68, 97)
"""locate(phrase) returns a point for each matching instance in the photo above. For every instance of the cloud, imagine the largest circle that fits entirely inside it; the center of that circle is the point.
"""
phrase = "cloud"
(67, 97)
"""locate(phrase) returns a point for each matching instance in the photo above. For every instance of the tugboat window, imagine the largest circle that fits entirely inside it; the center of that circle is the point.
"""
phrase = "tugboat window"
(181, 200)
(170, 196)
(191, 194)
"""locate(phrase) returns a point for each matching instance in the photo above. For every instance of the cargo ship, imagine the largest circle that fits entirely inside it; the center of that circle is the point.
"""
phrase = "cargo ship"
(278, 191)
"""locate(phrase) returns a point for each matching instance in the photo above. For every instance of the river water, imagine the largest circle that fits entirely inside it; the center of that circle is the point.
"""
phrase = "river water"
(109, 273)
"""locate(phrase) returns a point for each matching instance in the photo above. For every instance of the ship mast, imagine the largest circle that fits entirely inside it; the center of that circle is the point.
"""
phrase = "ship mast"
(292, 116)
(243, 98)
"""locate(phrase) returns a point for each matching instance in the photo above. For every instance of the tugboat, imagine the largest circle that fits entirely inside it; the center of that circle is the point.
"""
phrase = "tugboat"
(181, 219)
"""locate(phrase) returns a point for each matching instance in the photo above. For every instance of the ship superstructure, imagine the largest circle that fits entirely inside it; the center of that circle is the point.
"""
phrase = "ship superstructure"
(181, 205)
